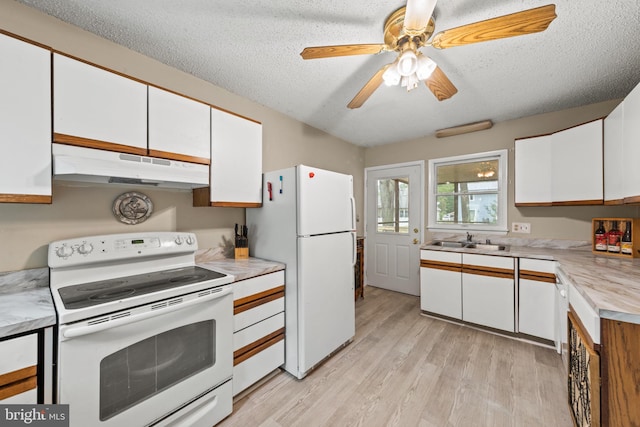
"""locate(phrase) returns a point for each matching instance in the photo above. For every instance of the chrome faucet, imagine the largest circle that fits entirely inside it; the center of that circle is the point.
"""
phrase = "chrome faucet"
(469, 237)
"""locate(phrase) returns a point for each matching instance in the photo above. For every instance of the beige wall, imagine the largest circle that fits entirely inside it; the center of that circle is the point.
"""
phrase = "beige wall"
(572, 223)
(26, 230)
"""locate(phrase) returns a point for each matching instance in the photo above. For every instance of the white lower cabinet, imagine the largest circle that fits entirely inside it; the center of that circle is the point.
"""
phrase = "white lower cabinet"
(488, 291)
(441, 283)
(536, 298)
(258, 326)
(19, 370)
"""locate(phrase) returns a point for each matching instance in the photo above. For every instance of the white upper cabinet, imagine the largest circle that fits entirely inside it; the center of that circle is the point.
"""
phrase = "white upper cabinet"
(179, 127)
(96, 108)
(614, 170)
(533, 171)
(25, 122)
(236, 161)
(576, 165)
(631, 146)
(564, 168)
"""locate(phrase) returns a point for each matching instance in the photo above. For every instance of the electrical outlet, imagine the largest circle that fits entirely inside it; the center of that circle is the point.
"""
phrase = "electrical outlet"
(521, 227)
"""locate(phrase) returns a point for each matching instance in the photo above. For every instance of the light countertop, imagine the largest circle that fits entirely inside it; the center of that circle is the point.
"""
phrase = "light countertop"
(240, 269)
(25, 302)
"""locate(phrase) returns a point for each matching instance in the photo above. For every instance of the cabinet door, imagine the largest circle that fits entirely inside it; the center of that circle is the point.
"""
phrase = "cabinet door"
(179, 128)
(631, 146)
(536, 295)
(236, 160)
(614, 171)
(533, 171)
(488, 291)
(18, 369)
(576, 165)
(441, 291)
(95, 108)
(25, 122)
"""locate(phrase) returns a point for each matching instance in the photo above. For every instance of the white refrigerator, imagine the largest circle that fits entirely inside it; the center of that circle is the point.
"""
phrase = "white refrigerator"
(307, 221)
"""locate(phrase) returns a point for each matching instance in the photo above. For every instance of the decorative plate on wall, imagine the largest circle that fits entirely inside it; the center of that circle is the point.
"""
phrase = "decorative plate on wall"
(132, 208)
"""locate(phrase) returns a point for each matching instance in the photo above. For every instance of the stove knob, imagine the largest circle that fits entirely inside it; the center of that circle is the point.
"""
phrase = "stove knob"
(190, 240)
(85, 248)
(64, 251)
(178, 240)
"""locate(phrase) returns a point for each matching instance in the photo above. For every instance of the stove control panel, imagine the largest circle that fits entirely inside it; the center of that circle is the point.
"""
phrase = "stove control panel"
(97, 249)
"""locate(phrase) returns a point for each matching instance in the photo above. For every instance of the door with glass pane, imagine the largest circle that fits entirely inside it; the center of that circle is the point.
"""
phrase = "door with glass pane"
(393, 225)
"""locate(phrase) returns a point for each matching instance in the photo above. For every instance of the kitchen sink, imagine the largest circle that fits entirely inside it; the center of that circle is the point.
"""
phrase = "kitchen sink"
(487, 246)
(445, 244)
(469, 245)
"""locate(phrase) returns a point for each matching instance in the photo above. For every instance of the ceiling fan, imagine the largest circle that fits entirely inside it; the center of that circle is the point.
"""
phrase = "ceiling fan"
(410, 28)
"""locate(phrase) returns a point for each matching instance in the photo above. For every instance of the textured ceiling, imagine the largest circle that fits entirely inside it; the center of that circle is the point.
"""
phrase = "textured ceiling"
(589, 53)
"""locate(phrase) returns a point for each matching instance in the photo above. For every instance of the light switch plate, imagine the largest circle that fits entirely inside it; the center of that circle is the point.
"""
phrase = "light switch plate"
(521, 227)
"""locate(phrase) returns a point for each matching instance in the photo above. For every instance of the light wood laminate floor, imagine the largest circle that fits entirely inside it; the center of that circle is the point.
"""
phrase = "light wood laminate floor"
(405, 369)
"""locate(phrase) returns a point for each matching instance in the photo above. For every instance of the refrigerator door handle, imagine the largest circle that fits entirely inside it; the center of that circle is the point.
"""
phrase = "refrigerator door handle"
(353, 212)
(354, 254)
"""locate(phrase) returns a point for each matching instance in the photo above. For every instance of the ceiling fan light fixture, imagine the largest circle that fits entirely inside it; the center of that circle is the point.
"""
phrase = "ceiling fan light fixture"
(410, 82)
(408, 63)
(391, 76)
(426, 67)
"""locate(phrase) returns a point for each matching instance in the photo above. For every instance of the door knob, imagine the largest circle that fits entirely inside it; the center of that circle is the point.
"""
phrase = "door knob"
(415, 230)
(415, 241)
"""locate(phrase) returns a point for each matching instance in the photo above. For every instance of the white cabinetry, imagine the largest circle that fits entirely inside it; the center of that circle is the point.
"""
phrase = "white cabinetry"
(576, 164)
(614, 159)
(25, 122)
(488, 291)
(532, 171)
(236, 162)
(564, 168)
(441, 283)
(179, 127)
(96, 108)
(258, 325)
(536, 295)
(631, 146)
(18, 370)
(614, 170)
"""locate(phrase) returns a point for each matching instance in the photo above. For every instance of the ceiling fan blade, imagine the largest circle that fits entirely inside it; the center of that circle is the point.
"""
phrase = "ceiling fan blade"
(370, 87)
(516, 24)
(340, 50)
(440, 85)
(417, 15)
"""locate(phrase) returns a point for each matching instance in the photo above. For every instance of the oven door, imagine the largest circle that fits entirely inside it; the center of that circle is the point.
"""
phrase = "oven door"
(135, 367)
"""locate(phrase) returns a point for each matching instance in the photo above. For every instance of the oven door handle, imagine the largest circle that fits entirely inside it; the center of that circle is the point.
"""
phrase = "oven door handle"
(78, 331)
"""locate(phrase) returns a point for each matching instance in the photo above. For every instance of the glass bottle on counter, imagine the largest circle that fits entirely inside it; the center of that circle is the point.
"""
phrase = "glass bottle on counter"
(626, 247)
(613, 236)
(600, 237)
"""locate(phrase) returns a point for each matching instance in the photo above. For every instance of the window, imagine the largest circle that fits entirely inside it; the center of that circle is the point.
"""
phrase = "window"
(393, 205)
(469, 192)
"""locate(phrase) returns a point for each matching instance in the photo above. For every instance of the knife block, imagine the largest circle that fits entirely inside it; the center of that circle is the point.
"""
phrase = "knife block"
(241, 253)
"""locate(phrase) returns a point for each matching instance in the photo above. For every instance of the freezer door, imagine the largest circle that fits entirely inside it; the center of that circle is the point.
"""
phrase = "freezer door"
(325, 201)
(326, 308)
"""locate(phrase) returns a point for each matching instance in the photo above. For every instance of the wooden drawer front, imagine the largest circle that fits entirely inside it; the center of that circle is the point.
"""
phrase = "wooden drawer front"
(18, 353)
(17, 382)
(257, 314)
(441, 256)
(256, 367)
(27, 397)
(256, 285)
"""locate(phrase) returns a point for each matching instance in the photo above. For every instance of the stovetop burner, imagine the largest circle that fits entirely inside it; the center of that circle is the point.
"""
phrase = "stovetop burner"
(100, 292)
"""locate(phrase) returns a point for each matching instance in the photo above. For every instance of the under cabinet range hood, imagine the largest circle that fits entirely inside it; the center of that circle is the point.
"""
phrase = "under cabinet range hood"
(80, 164)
